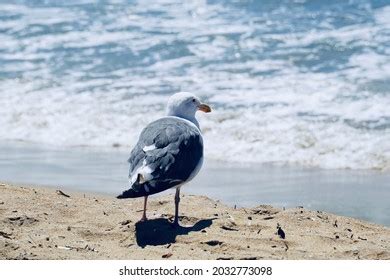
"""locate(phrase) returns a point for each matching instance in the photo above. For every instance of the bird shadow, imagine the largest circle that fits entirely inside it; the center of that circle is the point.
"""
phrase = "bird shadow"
(162, 231)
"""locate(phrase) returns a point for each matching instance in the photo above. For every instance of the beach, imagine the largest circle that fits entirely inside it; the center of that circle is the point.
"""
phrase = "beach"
(362, 194)
(53, 223)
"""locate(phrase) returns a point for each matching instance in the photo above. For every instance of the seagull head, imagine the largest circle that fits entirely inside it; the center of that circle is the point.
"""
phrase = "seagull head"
(185, 105)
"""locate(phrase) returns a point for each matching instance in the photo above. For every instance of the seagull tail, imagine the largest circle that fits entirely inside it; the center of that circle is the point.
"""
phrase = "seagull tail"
(137, 189)
(130, 193)
(141, 188)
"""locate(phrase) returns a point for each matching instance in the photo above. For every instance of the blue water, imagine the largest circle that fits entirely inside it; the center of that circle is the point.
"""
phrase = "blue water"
(291, 82)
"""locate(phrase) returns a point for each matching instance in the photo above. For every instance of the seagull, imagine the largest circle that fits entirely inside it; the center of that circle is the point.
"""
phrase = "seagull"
(169, 152)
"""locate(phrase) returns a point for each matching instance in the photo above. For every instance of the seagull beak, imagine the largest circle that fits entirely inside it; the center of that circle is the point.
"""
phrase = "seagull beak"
(204, 108)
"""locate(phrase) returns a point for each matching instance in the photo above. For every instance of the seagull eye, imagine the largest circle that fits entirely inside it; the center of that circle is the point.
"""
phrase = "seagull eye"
(193, 100)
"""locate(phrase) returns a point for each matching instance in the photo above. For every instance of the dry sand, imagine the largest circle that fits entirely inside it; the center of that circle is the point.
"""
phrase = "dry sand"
(40, 223)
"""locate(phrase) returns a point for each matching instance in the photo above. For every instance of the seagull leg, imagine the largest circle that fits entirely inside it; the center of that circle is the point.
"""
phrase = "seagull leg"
(144, 214)
(177, 200)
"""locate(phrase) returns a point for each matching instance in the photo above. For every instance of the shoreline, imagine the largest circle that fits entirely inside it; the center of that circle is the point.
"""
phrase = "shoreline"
(360, 194)
(41, 223)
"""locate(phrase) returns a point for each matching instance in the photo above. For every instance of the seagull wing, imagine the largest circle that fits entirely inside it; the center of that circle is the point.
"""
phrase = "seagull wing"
(168, 153)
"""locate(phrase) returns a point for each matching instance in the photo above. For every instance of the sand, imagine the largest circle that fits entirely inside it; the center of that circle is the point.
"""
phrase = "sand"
(44, 223)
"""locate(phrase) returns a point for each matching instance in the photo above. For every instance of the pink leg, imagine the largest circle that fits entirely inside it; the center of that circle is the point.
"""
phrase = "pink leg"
(144, 214)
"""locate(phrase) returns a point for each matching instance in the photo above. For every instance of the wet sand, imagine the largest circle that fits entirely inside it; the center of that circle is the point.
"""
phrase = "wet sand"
(43, 223)
(362, 194)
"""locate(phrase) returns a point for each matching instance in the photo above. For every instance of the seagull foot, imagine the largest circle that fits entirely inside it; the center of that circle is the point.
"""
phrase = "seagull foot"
(143, 219)
(175, 224)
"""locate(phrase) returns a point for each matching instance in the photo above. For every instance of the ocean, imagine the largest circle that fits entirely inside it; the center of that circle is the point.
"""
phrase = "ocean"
(296, 87)
(291, 82)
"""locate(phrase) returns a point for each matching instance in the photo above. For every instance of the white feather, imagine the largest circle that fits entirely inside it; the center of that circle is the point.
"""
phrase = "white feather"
(149, 148)
(145, 171)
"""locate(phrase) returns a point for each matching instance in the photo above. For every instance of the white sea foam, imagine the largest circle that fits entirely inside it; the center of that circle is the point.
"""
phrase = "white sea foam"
(312, 91)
